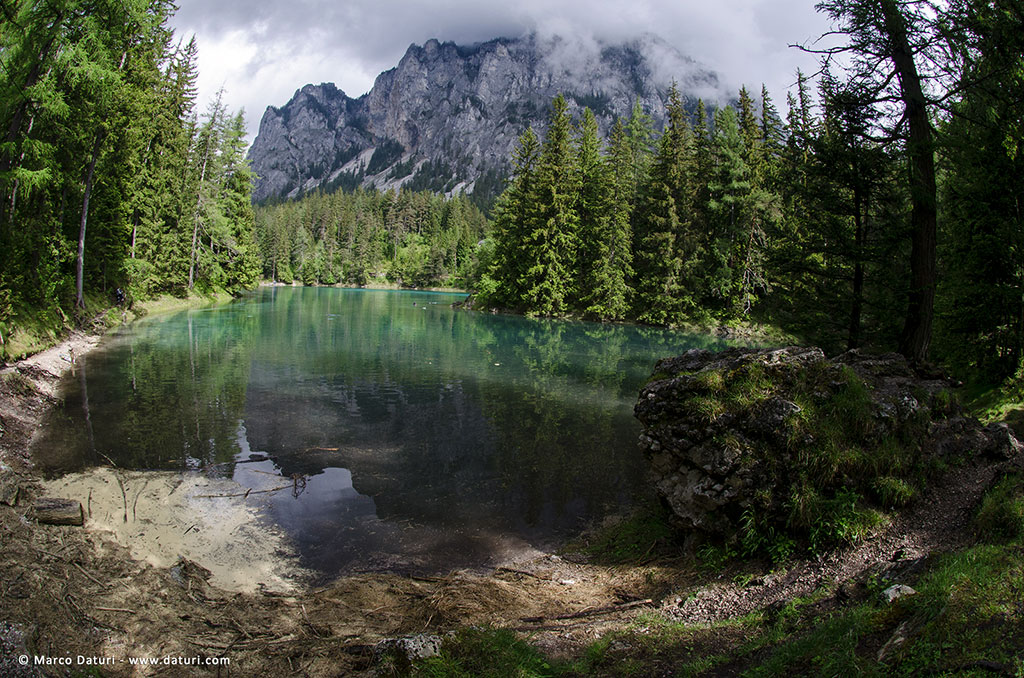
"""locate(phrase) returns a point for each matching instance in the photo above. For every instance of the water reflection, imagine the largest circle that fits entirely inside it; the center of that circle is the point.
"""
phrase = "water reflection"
(425, 437)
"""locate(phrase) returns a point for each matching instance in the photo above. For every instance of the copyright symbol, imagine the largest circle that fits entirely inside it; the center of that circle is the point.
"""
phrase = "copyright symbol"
(23, 660)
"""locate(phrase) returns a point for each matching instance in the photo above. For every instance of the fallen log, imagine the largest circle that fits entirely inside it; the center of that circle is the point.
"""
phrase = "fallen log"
(56, 511)
(609, 609)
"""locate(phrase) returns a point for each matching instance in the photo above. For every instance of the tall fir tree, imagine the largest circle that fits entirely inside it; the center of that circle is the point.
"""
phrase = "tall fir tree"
(660, 222)
(552, 247)
(513, 223)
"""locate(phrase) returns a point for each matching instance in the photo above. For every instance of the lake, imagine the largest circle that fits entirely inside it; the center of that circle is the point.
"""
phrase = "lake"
(380, 430)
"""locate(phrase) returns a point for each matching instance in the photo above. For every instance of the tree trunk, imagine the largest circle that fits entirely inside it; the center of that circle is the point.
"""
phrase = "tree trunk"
(853, 339)
(195, 218)
(917, 328)
(80, 262)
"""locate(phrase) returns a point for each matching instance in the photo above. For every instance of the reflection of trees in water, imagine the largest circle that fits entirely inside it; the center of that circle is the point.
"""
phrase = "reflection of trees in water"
(445, 416)
(151, 400)
(441, 416)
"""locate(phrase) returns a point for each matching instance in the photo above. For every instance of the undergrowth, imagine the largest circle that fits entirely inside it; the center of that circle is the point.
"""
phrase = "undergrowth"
(644, 535)
(487, 653)
(31, 330)
(836, 473)
(966, 619)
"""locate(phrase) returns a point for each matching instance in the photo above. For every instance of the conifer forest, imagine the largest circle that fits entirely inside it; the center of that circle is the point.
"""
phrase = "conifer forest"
(879, 207)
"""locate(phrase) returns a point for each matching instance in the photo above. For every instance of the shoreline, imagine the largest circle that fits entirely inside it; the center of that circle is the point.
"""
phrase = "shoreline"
(167, 517)
(370, 286)
(70, 591)
(85, 591)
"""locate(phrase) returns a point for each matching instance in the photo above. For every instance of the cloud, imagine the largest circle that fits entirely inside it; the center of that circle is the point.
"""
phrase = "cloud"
(261, 51)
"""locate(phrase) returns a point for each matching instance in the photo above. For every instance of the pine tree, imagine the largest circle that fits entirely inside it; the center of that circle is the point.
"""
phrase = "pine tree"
(552, 247)
(601, 285)
(890, 41)
(734, 258)
(622, 196)
(658, 256)
(980, 305)
(513, 223)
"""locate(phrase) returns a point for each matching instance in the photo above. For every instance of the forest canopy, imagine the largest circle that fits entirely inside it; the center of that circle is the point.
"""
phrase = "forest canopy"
(109, 179)
(882, 212)
(880, 209)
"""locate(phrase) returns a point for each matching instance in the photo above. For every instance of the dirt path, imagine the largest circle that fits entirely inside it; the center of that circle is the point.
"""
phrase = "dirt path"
(937, 523)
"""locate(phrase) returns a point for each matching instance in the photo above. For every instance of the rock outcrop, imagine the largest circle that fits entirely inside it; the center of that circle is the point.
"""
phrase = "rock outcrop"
(782, 439)
(447, 117)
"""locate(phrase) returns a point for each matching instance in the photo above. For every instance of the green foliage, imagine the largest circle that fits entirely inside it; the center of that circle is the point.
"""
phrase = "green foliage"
(633, 539)
(980, 320)
(1001, 516)
(486, 653)
(828, 649)
(631, 235)
(713, 556)
(842, 519)
(386, 153)
(103, 168)
(893, 492)
(838, 473)
(967, 610)
(552, 242)
(363, 237)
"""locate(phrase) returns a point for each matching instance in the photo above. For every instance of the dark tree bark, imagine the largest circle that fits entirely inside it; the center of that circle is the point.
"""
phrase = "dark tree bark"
(917, 327)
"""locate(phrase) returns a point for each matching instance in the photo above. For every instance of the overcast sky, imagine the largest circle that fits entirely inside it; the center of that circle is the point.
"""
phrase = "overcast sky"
(261, 51)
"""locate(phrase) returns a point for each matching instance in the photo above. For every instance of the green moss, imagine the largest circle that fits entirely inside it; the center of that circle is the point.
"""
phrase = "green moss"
(710, 380)
(708, 408)
(749, 387)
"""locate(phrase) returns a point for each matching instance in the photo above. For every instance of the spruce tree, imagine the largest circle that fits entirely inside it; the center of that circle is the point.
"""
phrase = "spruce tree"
(552, 247)
(601, 284)
(513, 223)
(662, 238)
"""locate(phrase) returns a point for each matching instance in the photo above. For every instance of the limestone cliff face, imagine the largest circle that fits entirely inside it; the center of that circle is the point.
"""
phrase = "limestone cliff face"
(447, 116)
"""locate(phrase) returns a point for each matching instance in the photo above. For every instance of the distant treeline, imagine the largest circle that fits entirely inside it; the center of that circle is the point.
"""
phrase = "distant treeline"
(833, 223)
(723, 216)
(408, 238)
(108, 179)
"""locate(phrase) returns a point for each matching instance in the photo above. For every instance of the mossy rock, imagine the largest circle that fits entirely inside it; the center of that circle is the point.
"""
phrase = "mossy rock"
(767, 446)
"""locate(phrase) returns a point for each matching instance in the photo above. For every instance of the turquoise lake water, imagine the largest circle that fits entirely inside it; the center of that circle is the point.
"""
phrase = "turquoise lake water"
(411, 435)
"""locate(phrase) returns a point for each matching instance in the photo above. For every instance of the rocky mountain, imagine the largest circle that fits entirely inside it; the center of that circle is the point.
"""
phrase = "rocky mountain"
(447, 117)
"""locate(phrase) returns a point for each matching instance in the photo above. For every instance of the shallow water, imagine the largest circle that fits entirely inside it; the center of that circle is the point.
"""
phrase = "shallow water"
(396, 432)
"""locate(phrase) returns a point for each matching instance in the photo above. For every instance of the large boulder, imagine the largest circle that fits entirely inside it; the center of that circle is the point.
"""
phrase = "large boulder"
(782, 439)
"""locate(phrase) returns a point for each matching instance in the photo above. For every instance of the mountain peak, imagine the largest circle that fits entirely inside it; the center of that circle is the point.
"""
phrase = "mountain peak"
(448, 115)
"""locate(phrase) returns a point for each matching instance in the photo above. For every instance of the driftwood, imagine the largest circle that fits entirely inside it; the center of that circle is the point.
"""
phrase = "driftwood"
(55, 511)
